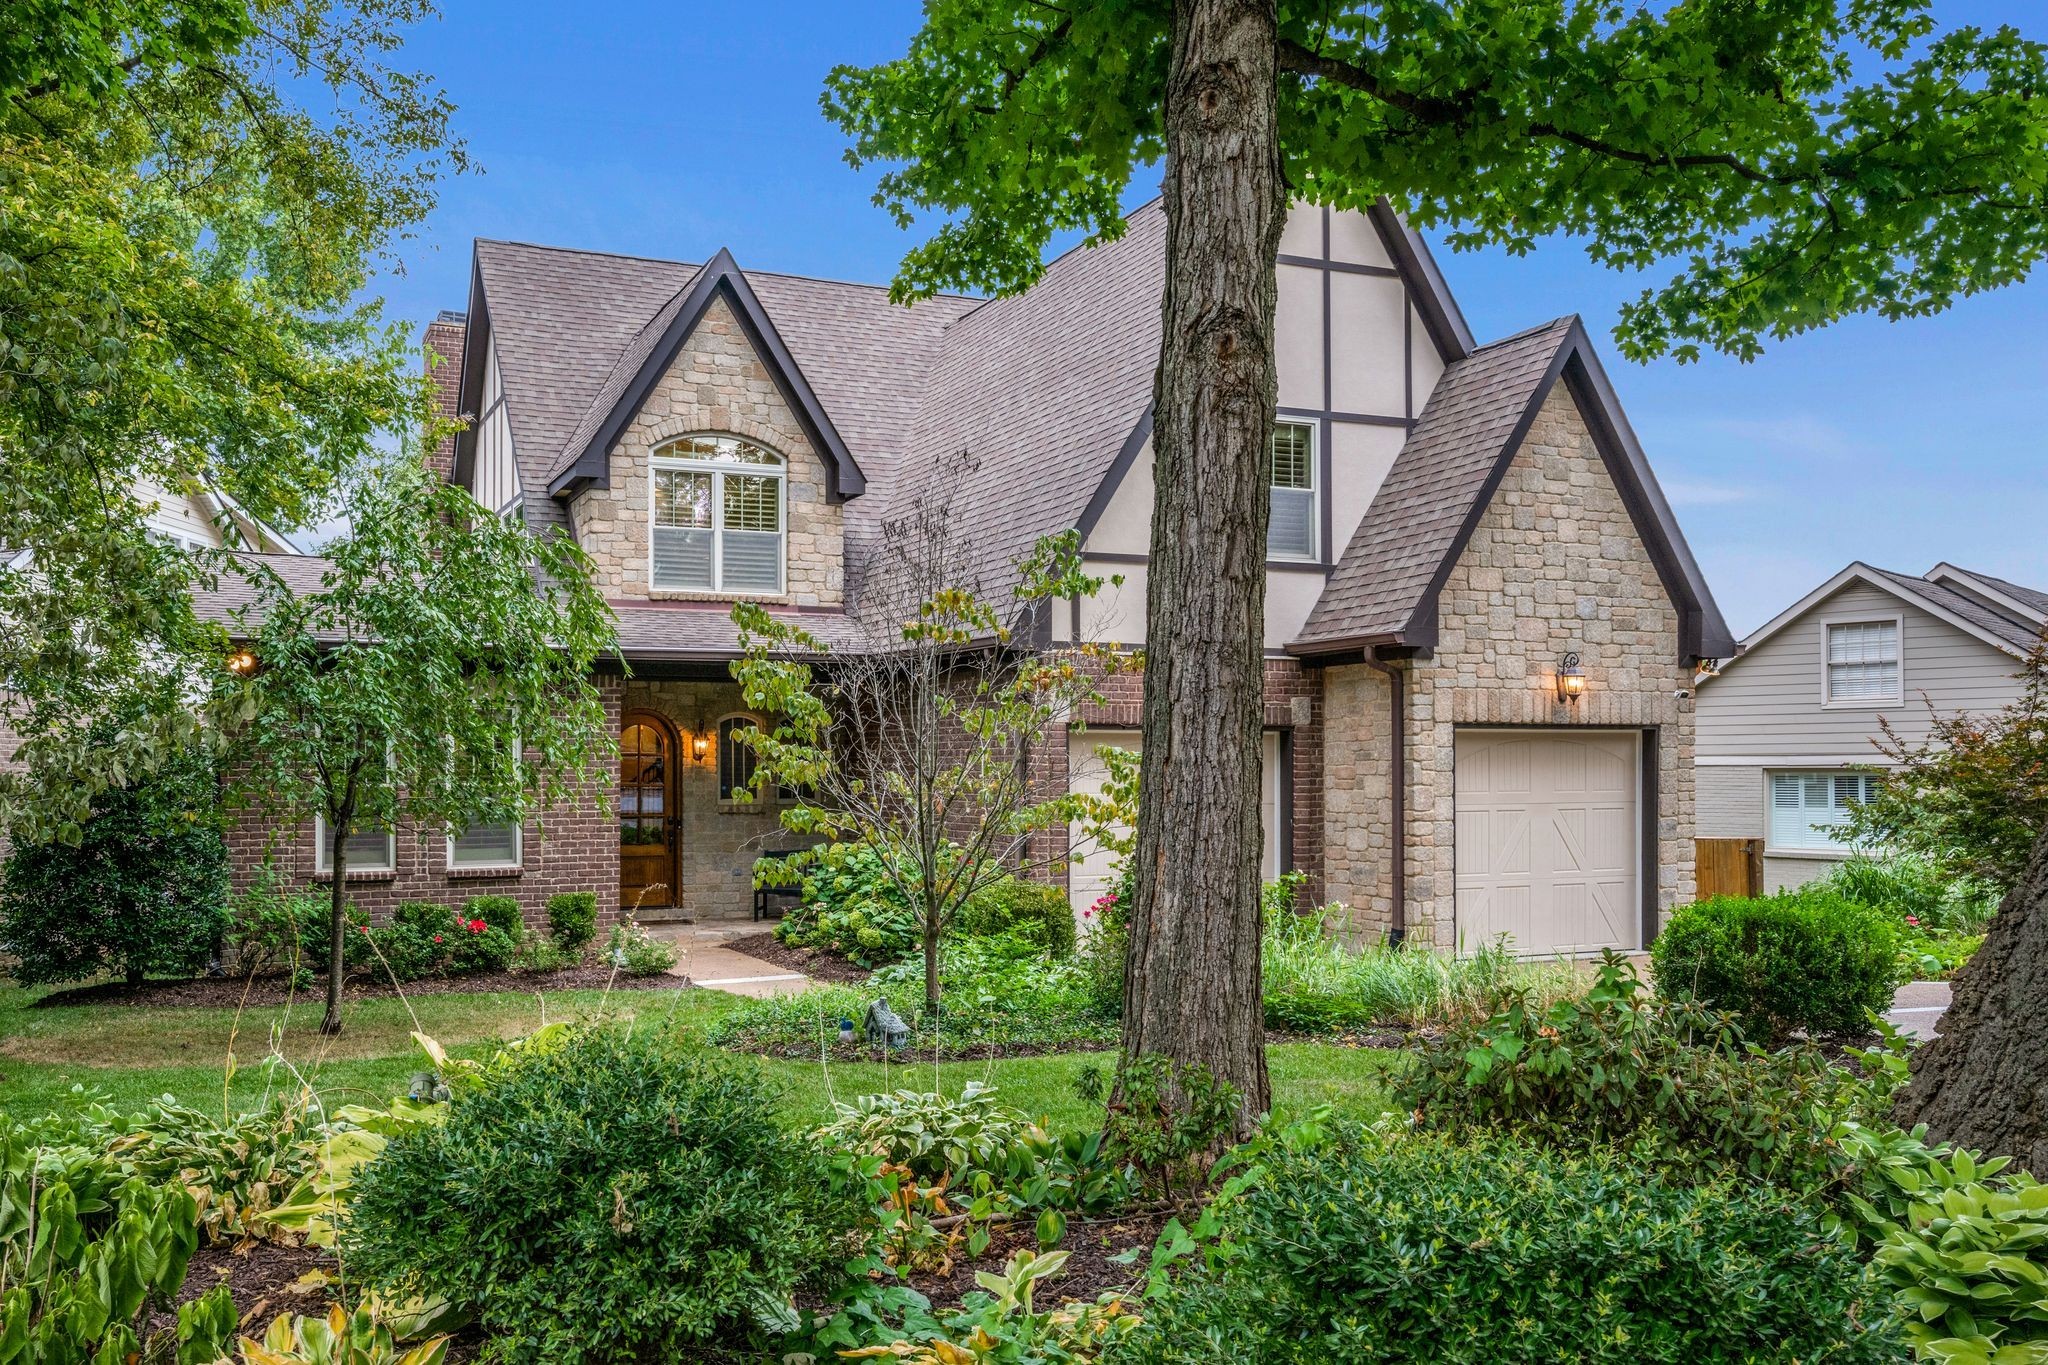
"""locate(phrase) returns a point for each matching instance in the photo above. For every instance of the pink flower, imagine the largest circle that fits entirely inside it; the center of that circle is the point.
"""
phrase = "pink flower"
(1913, 920)
(362, 928)
(1087, 914)
(437, 938)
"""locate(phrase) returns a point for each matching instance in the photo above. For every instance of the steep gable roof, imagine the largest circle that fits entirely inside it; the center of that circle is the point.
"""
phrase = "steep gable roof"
(2002, 630)
(1384, 589)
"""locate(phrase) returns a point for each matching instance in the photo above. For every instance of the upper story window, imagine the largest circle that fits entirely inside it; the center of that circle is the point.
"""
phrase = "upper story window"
(1291, 479)
(718, 516)
(1863, 663)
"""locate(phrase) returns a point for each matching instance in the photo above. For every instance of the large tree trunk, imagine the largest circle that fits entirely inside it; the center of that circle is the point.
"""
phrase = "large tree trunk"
(1191, 983)
(1983, 1082)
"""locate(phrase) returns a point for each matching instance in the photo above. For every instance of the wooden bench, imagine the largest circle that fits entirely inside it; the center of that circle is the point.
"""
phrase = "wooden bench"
(784, 885)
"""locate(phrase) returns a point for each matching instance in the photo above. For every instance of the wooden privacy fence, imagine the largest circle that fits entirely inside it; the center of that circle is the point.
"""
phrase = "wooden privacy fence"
(1729, 867)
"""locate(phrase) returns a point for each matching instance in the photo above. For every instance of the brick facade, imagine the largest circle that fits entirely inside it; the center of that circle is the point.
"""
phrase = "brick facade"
(718, 385)
(1555, 565)
(445, 342)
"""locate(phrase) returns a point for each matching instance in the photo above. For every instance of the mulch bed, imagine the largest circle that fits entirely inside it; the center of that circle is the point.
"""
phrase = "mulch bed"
(263, 1279)
(226, 992)
(815, 963)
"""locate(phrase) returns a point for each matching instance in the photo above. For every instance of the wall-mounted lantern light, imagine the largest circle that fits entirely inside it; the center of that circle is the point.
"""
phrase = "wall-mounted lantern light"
(701, 746)
(242, 663)
(1571, 682)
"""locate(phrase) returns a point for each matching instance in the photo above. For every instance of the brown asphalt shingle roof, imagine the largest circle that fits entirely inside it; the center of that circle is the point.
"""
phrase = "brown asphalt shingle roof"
(2021, 635)
(1415, 519)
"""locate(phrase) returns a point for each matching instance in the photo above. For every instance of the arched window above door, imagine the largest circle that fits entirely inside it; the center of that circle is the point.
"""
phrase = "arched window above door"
(717, 516)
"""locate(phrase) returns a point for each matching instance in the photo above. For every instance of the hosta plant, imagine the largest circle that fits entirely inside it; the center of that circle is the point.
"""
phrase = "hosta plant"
(1970, 1271)
(340, 1338)
(1002, 1325)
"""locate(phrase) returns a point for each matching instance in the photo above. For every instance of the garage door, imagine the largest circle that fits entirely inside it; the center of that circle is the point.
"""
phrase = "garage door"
(1548, 840)
(1092, 872)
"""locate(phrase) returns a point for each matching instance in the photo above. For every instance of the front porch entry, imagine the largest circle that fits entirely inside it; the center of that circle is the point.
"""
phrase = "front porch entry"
(650, 825)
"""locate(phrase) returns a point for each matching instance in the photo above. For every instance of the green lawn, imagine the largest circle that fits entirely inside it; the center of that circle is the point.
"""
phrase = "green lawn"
(134, 1055)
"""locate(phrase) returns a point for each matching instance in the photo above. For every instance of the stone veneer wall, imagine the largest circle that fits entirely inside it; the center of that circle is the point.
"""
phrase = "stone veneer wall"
(571, 847)
(721, 839)
(716, 385)
(1555, 564)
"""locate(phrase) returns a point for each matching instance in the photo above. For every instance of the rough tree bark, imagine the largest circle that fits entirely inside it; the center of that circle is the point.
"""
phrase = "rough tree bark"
(1983, 1082)
(1191, 983)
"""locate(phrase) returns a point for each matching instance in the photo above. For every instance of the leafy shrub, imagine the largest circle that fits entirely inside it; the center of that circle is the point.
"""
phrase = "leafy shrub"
(500, 912)
(1167, 1118)
(602, 1198)
(636, 952)
(572, 919)
(998, 1322)
(1808, 959)
(1315, 983)
(144, 890)
(1671, 1078)
(1913, 891)
(1040, 914)
(278, 930)
(851, 907)
(538, 953)
(1343, 1244)
(1108, 943)
(428, 939)
(1970, 1268)
(354, 1338)
(932, 1136)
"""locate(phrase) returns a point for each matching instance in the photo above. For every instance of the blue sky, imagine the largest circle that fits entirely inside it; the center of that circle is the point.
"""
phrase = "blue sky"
(673, 130)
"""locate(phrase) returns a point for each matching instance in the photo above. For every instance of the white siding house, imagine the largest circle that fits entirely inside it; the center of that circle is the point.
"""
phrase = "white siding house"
(1786, 727)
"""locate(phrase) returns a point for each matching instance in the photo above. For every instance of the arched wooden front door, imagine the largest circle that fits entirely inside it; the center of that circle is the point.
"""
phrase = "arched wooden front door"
(650, 826)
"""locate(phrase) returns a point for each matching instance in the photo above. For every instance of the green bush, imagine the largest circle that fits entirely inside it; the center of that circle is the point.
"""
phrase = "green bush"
(572, 919)
(427, 939)
(500, 912)
(852, 908)
(1670, 1078)
(636, 952)
(1040, 913)
(273, 929)
(602, 1198)
(1315, 983)
(1354, 1246)
(1970, 1269)
(1810, 959)
(1913, 891)
(144, 891)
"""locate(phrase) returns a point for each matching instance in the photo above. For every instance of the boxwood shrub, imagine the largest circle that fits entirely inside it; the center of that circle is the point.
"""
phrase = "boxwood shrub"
(572, 919)
(602, 1197)
(1810, 959)
(1040, 913)
(1353, 1246)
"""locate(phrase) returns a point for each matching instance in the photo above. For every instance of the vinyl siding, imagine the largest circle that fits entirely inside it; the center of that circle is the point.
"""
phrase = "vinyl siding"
(1768, 704)
(1729, 803)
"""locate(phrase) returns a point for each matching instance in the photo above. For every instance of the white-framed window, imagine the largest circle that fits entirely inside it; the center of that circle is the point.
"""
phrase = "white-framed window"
(172, 534)
(1862, 666)
(367, 850)
(492, 845)
(1808, 810)
(717, 516)
(1291, 484)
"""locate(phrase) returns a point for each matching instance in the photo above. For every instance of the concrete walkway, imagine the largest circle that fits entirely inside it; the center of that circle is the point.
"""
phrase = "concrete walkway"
(1918, 1007)
(702, 957)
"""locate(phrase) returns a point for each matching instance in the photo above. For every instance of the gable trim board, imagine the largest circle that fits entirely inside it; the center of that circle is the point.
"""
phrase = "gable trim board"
(1409, 620)
(2000, 592)
(1894, 585)
(587, 457)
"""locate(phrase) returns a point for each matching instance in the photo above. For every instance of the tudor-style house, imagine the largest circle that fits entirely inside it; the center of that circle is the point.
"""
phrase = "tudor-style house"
(1482, 621)
(1786, 728)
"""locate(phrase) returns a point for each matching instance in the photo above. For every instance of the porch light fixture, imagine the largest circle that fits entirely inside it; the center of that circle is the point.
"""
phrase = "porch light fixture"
(242, 663)
(701, 746)
(1571, 682)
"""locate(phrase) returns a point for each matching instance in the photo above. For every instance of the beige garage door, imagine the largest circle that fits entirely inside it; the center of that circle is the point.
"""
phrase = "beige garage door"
(1548, 840)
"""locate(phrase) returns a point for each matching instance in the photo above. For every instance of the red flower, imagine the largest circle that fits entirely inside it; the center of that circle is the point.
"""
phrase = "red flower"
(1913, 920)
(437, 938)
(477, 926)
(362, 928)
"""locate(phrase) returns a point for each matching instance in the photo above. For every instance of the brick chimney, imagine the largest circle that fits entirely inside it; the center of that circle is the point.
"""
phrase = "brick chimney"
(444, 347)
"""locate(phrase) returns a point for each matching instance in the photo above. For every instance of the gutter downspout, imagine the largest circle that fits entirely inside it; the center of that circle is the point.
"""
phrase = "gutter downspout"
(1397, 712)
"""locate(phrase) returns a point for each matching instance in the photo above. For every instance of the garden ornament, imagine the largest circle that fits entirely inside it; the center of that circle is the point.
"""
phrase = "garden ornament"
(846, 1031)
(884, 1027)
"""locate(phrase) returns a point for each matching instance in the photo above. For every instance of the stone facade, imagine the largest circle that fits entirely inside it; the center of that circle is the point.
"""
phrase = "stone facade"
(1555, 565)
(717, 385)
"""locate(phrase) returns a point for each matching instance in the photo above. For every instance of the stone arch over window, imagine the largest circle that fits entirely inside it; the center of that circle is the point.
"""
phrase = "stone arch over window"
(719, 519)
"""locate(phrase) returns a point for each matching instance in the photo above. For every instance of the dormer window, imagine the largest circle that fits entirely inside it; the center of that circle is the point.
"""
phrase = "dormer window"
(717, 517)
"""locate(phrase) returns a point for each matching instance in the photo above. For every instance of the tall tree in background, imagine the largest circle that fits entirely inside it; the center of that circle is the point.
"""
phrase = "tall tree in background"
(183, 234)
(1803, 160)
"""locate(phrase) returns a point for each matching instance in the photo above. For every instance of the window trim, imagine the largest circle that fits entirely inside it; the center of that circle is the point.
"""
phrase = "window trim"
(718, 470)
(1830, 850)
(773, 798)
(323, 866)
(1827, 698)
(517, 863)
(1314, 491)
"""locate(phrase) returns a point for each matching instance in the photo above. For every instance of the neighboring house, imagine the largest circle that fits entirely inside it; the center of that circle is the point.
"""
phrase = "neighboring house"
(207, 520)
(1785, 725)
(1453, 527)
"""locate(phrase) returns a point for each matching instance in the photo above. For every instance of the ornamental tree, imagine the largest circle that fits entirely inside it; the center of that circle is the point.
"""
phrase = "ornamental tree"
(1799, 160)
(438, 676)
(918, 738)
(193, 196)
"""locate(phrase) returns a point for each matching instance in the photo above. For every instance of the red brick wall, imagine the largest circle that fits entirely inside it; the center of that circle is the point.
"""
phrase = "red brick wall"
(571, 847)
(444, 342)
